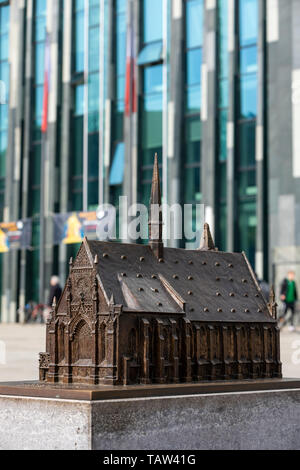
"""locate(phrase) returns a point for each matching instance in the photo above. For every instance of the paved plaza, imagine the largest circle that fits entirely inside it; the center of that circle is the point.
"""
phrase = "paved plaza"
(22, 345)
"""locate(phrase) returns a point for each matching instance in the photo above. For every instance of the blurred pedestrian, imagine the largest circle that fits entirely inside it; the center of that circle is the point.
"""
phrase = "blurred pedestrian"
(289, 296)
(55, 292)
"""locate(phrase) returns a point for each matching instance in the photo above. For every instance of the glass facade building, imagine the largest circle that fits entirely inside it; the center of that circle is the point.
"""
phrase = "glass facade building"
(207, 94)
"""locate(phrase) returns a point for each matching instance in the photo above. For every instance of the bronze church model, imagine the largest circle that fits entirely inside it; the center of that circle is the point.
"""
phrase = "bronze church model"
(136, 314)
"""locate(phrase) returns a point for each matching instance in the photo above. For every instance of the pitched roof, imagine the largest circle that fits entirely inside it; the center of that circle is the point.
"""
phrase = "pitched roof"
(206, 285)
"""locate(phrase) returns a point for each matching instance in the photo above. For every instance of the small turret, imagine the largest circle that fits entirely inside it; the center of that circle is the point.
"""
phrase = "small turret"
(207, 243)
(272, 303)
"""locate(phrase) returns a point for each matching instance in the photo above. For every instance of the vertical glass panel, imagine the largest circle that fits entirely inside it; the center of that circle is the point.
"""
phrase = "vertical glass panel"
(247, 229)
(249, 60)
(121, 6)
(40, 29)
(153, 79)
(223, 93)
(39, 63)
(246, 148)
(194, 61)
(223, 135)
(93, 102)
(152, 20)
(4, 47)
(121, 44)
(79, 41)
(40, 7)
(192, 140)
(79, 100)
(4, 19)
(247, 180)
(248, 96)
(248, 22)
(223, 37)
(193, 99)
(152, 122)
(194, 23)
(192, 185)
(94, 52)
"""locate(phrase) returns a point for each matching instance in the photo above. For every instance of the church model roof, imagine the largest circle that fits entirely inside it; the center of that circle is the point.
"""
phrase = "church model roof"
(150, 314)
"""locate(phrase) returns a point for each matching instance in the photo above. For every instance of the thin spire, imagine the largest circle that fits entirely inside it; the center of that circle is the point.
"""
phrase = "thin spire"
(155, 190)
(272, 303)
(207, 243)
(155, 214)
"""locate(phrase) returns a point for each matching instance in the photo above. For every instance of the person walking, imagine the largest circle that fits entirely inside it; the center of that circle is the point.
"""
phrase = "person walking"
(289, 295)
(55, 291)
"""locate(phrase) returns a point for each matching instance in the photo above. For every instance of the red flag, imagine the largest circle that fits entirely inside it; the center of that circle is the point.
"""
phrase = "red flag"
(130, 88)
(46, 86)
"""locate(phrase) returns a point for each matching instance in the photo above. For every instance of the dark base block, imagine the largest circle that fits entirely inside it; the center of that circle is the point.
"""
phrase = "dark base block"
(109, 392)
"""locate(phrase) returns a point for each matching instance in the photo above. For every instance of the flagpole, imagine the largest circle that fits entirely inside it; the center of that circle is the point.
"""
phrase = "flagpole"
(42, 220)
(44, 131)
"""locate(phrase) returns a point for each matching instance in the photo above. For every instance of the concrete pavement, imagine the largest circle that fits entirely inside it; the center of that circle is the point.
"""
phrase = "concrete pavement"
(23, 344)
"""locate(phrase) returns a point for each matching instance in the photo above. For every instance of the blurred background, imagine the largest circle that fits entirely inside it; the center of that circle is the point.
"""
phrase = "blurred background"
(91, 89)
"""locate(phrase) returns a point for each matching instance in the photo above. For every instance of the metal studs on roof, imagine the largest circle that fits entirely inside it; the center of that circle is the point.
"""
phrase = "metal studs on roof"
(191, 262)
(139, 276)
(218, 294)
(230, 265)
(246, 295)
(192, 309)
(105, 255)
(244, 281)
(154, 276)
(217, 279)
(233, 310)
(247, 310)
(220, 310)
(204, 263)
(141, 289)
(231, 294)
(159, 304)
(154, 290)
(206, 309)
(161, 260)
(123, 257)
(123, 274)
(190, 292)
(231, 279)
(259, 310)
(190, 278)
(217, 264)
(175, 276)
(142, 258)
(256, 295)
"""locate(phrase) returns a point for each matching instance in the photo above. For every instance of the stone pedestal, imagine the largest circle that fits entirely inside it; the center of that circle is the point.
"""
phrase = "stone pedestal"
(249, 419)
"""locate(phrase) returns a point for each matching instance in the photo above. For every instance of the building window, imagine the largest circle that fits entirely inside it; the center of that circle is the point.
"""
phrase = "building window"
(4, 97)
(222, 117)
(77, 119)
(117, 145)
(192, 116)
(246, 126)
(93, 102)
(152, 95)
(39, 46)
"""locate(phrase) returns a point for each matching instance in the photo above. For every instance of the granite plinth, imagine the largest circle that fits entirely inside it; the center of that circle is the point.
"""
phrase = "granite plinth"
(194, 418)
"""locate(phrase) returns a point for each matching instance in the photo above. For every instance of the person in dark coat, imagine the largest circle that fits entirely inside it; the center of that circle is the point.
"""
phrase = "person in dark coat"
(289, 296)
(55, 290)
